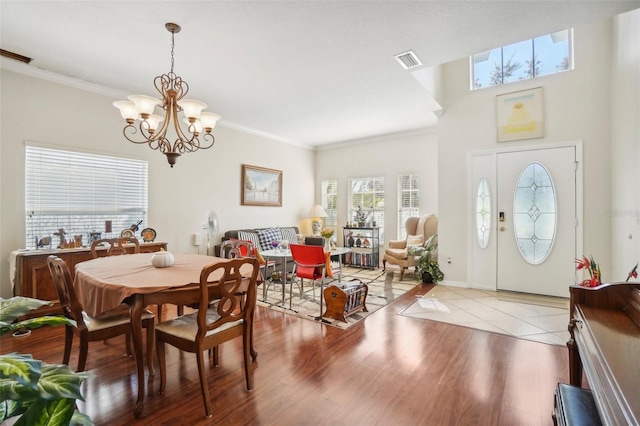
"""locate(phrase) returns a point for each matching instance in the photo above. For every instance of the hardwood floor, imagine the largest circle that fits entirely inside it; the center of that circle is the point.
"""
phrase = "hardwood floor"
(386, 370)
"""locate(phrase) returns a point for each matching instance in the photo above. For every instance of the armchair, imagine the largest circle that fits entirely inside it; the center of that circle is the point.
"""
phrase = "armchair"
(418, 230)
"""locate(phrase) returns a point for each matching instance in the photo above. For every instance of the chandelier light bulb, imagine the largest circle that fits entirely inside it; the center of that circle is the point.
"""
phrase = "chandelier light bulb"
(209, 120)
(192, 108)
(197, 125)
(127, 110)
(144, 104)
(153, 121)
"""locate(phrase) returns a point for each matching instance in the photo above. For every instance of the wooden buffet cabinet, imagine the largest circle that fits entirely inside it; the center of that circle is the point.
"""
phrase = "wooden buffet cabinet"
(605, 346)
(33, 279)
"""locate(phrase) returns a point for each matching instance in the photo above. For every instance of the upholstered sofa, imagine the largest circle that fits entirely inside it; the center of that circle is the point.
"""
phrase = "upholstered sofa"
(262, 238)
(419, 229)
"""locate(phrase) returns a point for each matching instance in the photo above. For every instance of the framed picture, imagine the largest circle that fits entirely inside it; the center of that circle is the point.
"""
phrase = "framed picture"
(261, 186)
(520, 115)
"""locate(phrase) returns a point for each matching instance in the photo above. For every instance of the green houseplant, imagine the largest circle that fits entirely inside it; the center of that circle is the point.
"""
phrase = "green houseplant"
(427, 261)
(40, 393)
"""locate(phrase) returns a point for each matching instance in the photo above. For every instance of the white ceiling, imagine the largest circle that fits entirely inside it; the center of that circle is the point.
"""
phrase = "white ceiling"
(304, 72)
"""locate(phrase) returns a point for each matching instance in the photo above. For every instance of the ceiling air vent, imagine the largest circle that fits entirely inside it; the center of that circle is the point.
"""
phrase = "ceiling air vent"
(408, 60)
(15, 56)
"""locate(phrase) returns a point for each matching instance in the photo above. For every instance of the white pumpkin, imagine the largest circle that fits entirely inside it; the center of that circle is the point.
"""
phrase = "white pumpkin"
(162, 259)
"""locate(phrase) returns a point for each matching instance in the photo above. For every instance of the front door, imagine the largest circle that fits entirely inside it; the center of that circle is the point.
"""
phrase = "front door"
(536, 220)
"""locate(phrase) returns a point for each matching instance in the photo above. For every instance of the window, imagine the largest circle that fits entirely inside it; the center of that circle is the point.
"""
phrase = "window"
(78, 192)
(483, 214)
(330, 203)
(408, 201)
(548, 54)
(535, 213)
(367, 193)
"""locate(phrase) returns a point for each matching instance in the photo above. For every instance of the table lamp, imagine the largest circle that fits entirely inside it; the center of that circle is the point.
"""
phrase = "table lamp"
(316, 213)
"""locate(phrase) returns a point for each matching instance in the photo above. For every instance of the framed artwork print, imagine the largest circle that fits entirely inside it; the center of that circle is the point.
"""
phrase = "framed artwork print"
(261, 186)
(520, 115)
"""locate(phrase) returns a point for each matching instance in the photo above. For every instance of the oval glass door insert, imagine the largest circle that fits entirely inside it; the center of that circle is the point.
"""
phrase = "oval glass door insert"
(483, 213)
(534, 213)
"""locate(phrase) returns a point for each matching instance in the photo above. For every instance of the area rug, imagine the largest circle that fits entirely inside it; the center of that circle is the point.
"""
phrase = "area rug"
(531, 317)
(384, 288)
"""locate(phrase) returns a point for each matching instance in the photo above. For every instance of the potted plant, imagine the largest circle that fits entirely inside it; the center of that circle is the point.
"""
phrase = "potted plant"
(427, 268)
(40, 393)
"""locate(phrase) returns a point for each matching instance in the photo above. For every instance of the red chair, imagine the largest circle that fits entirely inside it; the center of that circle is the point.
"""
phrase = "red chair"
(310, 262)
(234, 249)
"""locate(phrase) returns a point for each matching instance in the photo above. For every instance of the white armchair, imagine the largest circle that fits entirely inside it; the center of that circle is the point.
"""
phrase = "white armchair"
(419, 229)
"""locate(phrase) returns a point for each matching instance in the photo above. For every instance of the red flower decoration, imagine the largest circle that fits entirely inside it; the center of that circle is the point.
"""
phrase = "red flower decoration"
(594, 271)
(633, 273)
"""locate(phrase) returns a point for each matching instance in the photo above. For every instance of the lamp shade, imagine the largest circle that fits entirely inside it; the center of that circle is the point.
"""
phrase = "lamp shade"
(317, 211)
(192, 108)
(144, 104)
(127, 110)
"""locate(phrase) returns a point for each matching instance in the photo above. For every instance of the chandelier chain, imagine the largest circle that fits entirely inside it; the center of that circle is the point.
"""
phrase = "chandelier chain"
(172, 47)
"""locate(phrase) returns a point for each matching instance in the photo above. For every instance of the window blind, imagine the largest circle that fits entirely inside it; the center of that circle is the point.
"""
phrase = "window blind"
(78, 192)
(330, 203)
(408, 201)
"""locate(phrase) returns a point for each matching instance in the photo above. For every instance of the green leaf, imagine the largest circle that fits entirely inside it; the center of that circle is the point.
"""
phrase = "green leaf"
(9, 408)
(21, 368)
(57, 412)
(14, 307)
(59, 381)
(81, 419)
(36, 323)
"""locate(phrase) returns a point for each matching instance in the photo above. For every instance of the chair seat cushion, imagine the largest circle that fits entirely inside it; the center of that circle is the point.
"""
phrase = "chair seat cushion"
(112, 318)
(397, 253)
(186, 326)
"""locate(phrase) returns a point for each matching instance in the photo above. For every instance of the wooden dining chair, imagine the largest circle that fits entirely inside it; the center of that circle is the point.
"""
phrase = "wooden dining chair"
(115, 246)
(214, 324)
(89, 329)
(310, 262)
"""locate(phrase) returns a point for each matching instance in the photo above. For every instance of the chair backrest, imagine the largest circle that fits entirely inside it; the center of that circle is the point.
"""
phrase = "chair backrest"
(238, 281)
(306, 255)
(425, 225)
(115, 246)
(314, 241)
(69, 303)
(233, 249)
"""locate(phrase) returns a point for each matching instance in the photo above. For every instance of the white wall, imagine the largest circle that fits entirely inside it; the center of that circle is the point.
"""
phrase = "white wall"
(577, 107)
(388, 156)
(37, 110)
(625, 144)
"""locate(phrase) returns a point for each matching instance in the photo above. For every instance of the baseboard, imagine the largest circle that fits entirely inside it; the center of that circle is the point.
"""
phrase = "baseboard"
(450, 283)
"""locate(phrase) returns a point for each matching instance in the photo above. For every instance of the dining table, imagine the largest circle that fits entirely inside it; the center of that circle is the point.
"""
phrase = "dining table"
(105, 283)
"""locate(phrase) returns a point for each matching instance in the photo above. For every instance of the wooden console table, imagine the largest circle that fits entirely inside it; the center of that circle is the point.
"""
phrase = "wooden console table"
(33, 279)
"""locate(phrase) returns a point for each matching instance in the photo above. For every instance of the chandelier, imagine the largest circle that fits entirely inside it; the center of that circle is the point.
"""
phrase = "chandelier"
(138, 112)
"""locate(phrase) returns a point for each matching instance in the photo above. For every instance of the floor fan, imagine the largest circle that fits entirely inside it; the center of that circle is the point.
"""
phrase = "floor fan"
(212, 229)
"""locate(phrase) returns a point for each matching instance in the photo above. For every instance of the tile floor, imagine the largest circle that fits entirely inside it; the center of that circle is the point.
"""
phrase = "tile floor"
(539, 318)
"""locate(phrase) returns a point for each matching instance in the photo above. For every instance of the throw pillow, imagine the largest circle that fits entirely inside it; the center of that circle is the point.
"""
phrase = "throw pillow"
(249, 236)
(267, 235)
(289, 234)
(415, 240)
(261, 260)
